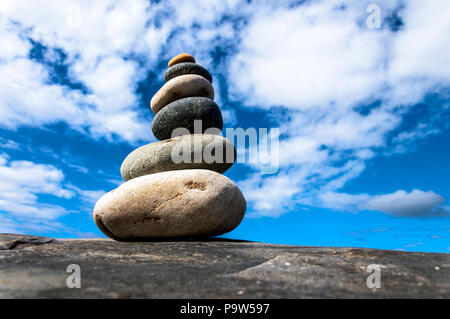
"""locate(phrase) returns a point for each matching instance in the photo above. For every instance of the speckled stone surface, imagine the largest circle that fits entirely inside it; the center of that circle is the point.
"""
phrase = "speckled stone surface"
(183, 57)
(180, 87)
(157, 157)
(182, 113)
(35, 267)
(186, 68)
(173, 204)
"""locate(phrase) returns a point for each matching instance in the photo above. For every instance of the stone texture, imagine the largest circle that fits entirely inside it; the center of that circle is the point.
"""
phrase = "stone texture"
(180, 87)
(9, 241)
(157, 157)
(171, 204)
(213, 268)
(183, 57)
(183, 112)
(186, 68)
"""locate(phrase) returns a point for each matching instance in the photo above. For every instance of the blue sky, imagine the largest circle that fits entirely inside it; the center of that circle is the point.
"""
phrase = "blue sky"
(363, 112)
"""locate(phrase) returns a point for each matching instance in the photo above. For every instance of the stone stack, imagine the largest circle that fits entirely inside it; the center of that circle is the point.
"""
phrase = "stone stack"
(174, 188)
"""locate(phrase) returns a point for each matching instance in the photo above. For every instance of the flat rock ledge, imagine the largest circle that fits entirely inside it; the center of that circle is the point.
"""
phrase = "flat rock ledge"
(35, 267)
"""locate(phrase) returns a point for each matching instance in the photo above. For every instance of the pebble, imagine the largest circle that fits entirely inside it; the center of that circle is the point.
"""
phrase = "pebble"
(173, 204)
(183, 57)
(186, 68)
(157, 157)
(180, 87)
(182, 113)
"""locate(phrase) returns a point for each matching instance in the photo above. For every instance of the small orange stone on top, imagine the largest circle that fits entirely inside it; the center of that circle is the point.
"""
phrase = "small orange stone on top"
(183, 57)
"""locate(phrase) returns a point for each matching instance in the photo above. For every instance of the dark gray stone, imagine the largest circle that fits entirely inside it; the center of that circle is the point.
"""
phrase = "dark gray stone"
(215, 268)
(186, 68)
(182, 113)
(157, 157)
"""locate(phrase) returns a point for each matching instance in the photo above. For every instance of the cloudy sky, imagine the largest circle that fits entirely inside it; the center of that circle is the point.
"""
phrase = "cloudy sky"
(363, 112)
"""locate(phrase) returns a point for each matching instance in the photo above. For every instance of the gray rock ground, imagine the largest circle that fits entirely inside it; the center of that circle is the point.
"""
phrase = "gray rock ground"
(35, 267)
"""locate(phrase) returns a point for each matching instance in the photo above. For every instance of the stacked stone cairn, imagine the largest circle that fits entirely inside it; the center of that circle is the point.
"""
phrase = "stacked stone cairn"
(174, 188)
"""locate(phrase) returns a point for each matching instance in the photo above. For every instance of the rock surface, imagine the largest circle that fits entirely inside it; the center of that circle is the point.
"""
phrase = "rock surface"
(180, 87)
(183, 112)
(157, 157)
(35, 267)
(186, 68)
(183, 57)
(171, 204)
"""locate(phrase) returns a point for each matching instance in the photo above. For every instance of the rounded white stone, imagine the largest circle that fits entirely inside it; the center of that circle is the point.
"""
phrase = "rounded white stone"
(184, 203)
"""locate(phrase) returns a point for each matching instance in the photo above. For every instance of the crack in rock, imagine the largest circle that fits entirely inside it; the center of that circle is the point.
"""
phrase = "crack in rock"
(295, 269)
(10, 242)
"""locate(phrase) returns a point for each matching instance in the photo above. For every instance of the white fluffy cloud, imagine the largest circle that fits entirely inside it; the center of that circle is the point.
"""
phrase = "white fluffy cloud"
(21, 184)
(109, 47)
(12, 44)
(323, 64)
(317, 60)
(419, 50)
(308, 57)
(96, 38)
(417, 203)
(26, 99)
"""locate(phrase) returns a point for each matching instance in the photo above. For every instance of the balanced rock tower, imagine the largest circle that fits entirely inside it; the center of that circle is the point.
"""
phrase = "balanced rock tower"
(174, 188)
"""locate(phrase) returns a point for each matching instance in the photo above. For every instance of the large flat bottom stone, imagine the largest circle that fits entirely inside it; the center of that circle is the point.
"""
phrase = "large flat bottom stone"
(35, 267)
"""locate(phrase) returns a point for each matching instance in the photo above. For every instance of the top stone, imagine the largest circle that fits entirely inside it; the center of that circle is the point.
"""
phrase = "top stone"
(183, 57)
